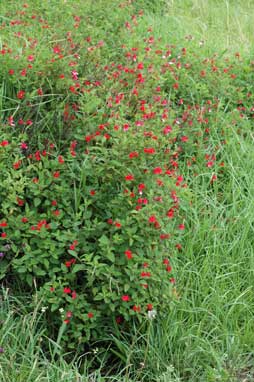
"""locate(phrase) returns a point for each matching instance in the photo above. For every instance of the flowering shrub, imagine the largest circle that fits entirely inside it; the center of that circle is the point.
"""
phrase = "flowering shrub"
(96, 155)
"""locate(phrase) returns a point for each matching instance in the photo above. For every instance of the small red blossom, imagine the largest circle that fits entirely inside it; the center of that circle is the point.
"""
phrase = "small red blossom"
(157, 170)
(56, 174)
(17, 165)
(129, 177)
(149, 150)
(60, 159)
(4, 143)
(21, 94)
(69, 314)
(23, 146)
(128, 254)
(30, 58)
(152, 219)
(11, 121)
(74, 295)
(20, 202)
(145, 274)
(164, 236)
(125, 297)
(170, 213)
(133, 154)
(90, 315)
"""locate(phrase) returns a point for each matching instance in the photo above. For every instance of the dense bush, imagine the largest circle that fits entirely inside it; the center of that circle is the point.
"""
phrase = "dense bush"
(96, 132)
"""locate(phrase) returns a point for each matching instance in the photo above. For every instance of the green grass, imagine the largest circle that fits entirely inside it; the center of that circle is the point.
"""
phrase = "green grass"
(208, 335)
(214, 25)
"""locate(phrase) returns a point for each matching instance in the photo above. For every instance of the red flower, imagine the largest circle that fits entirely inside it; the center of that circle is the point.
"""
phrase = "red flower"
(69, 314)
(4, 143)
(170, 213)
(3, 224)
(133, 154)
(74, 295)
(11, 121)
(60, 159)
(90, 315)
(152, 219)
(21, 94)
(157, 170)
(20, 201)
(125, 298)
(149, 150)
(129, 177)
(30, 58)
(149, 306)
(67, 290)
(167, 130)
(3, 234)
(145, 274)
(164, 236)
(56, 174)
(128, 254)
(136, 308)
(17, 165)
(141, 187)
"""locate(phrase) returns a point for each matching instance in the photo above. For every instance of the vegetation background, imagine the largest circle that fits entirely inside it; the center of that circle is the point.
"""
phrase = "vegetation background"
(208, 335)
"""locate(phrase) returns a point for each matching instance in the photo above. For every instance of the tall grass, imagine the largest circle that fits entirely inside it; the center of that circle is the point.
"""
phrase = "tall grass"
(215, 25)
(208, 334)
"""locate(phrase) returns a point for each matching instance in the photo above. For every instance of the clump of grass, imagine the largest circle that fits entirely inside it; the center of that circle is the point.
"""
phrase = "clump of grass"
(207, 334)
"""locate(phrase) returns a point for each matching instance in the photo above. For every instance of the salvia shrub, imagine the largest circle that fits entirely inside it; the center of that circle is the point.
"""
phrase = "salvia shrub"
(96, 132)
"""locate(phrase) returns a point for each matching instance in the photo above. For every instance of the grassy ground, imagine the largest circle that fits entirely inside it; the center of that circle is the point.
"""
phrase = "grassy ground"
(209, 333)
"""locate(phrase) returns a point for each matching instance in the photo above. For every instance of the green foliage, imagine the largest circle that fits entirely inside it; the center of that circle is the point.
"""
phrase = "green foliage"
(125, 166)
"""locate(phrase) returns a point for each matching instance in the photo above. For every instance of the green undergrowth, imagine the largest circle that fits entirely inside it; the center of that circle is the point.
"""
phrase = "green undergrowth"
(127, 191)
